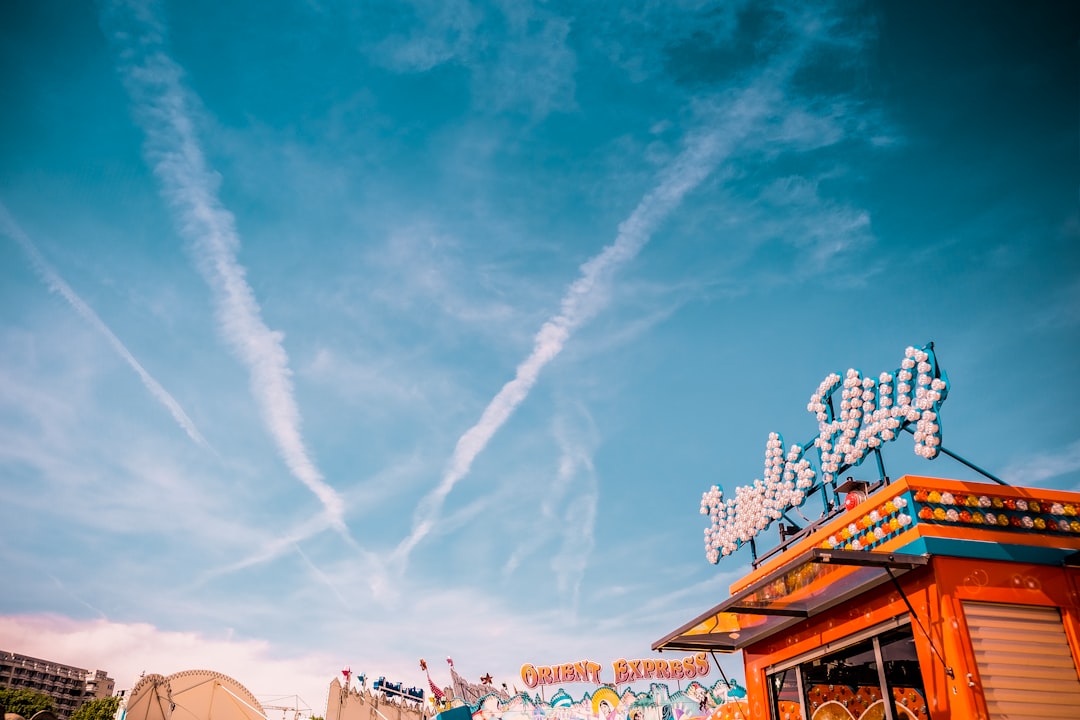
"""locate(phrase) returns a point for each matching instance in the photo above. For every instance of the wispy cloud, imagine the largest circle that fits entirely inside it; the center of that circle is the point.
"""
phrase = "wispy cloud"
(819, 228)
(534, 64)
(321, 576)
(1064, 309)
(1038, 468)
(163, 108)
(272, 548)
(578, 521)
(64, 589)
(56, 284)
(442, 31)
(567, 510)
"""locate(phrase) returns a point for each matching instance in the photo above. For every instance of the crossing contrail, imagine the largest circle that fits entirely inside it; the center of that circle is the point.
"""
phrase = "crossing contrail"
(582, 300)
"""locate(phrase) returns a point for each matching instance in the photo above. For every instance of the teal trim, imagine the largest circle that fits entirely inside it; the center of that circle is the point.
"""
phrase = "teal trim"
(915, 547)
(986, 550)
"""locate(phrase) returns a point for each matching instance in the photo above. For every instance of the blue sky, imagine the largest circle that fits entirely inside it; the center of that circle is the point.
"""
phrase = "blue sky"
(354, 333)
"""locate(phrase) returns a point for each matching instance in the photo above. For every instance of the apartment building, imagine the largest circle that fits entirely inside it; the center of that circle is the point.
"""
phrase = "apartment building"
(68, 686)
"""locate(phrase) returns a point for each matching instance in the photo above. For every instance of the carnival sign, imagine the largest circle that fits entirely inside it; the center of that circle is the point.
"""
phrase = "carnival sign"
(625, 671)
(872, 412)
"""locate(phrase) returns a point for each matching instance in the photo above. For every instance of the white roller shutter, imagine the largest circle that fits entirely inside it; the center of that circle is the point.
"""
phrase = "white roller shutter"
(1025, 666)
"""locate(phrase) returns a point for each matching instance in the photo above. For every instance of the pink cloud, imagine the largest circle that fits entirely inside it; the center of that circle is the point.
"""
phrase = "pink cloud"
(125, 650)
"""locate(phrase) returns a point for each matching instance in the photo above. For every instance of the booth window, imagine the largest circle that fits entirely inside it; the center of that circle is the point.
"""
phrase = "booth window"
(784, 693)
(849, 680)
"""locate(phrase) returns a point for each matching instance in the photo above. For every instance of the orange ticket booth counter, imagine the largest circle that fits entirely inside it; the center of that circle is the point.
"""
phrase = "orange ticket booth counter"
(954, 600)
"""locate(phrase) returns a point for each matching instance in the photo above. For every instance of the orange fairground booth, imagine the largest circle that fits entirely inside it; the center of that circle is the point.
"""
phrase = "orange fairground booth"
(956, 600)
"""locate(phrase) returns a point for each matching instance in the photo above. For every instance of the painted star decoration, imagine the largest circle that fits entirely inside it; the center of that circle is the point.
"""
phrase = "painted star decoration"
(486, 679)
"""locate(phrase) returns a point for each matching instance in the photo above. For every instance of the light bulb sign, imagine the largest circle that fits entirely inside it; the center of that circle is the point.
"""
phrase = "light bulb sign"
(871, 412)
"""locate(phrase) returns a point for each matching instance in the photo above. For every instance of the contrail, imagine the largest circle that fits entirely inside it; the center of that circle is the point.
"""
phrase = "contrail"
(274, 548)
(56, 284)
(581, 301)
(744, 119)
(161, 102)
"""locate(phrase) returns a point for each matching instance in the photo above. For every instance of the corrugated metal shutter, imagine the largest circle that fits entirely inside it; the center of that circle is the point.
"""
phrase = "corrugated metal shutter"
(1025, 666)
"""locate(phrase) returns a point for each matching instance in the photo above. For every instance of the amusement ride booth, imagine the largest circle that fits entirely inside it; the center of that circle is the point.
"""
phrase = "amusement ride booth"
(919, 598)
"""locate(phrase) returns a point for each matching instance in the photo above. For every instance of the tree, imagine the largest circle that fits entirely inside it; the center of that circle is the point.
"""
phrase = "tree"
(97, 709)
(24, 702)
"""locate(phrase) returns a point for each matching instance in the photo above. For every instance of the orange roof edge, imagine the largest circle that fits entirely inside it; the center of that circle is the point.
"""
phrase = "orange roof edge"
(892, 490)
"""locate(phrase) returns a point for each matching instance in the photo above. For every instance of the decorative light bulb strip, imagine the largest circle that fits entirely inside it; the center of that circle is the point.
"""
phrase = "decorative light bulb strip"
(871, 412)
(872, 528)
(1003, 513)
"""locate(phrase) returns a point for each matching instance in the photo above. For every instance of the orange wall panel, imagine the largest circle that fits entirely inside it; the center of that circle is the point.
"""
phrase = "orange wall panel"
(941, 639)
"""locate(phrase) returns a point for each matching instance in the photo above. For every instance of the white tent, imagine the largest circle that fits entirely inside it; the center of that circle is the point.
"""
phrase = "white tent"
(191, 695)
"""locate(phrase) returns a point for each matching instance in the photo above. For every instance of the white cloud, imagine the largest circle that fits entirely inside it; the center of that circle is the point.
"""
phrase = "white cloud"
(421, 267)
(533, 65)
(1063, 312)
(445, 30)
(1033, 470)
(578, 521)
(563, 526)
(823, 229)
(273, 546)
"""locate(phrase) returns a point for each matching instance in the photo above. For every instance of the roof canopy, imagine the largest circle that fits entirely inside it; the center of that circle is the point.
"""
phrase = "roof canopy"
(806, 585)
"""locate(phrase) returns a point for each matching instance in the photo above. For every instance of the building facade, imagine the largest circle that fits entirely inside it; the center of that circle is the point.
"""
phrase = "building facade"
(68, 686)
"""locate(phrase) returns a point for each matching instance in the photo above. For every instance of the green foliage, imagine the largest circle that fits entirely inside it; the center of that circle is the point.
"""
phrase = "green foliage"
(317, 717)
(24, 702)
(98, 709)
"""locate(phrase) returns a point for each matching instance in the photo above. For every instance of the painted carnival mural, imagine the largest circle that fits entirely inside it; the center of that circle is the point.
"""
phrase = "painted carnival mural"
(660, 702)
(353, 699)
